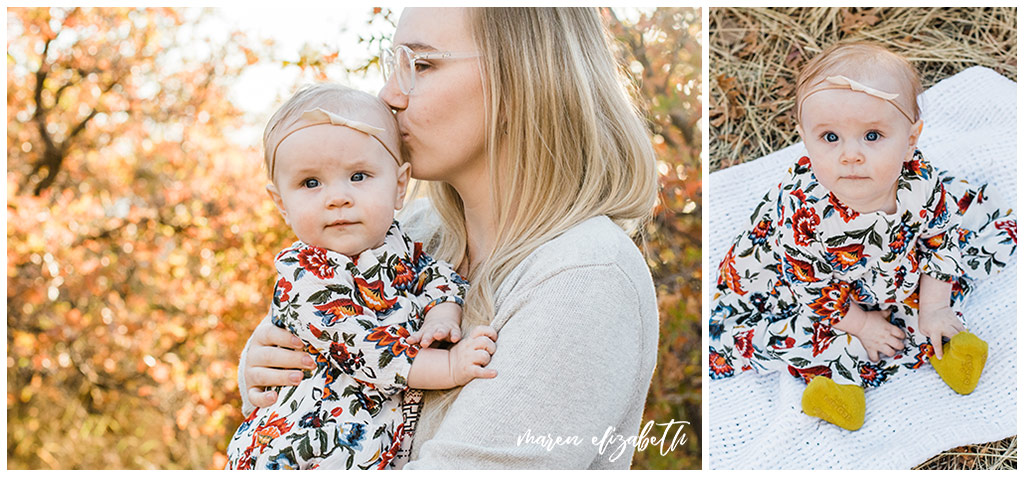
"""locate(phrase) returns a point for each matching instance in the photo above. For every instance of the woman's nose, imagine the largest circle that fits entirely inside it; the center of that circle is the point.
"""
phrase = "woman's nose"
(392, 95)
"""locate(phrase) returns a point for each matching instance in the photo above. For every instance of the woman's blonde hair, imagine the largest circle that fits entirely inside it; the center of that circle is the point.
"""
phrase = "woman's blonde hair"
(862, 60)
(565, 140)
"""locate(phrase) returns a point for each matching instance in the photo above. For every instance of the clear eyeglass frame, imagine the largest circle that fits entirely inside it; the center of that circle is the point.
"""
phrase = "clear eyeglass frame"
(400, 61)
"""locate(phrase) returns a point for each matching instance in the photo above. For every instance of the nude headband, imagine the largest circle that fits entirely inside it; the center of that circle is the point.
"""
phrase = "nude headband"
(842, 82)
(320, 116)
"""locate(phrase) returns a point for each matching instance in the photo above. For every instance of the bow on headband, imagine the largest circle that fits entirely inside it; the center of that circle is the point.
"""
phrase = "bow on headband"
(320, 116)
(842, 82)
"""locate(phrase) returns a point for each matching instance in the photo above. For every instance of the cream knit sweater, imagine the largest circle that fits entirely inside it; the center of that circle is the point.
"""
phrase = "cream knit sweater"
(577, 325)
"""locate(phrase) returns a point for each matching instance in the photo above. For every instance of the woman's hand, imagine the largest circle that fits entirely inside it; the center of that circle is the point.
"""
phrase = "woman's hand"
(468, 358)
(274, 359)
(873, 329)
(937, 323)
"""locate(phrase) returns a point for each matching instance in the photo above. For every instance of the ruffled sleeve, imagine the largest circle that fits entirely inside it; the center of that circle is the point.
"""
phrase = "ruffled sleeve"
(938, 248)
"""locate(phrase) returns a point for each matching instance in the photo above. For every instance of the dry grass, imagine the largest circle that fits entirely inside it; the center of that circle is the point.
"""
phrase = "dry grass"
(756, 54)
(1001, 455)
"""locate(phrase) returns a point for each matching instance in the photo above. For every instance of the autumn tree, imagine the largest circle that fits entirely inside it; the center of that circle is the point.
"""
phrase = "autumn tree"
(663, 55)
(136, 234)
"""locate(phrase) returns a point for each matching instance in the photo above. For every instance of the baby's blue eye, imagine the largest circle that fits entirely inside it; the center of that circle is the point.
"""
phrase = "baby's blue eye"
(310, 183)
(830, 137)
(358, 177)
(872, 136)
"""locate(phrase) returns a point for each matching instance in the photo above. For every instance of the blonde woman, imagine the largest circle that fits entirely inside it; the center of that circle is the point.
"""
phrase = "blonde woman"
(538, 163)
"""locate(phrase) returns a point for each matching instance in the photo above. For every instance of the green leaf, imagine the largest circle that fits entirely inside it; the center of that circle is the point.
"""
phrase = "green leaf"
(384, 360)
(319, 297)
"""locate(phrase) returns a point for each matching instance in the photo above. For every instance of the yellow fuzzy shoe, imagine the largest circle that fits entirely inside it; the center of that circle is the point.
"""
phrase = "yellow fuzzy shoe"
(963, 358)
(840, 404)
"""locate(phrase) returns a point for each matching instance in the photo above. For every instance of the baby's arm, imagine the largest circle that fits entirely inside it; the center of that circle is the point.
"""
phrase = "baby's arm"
(449, 368)
(935, 317)
(441, 323)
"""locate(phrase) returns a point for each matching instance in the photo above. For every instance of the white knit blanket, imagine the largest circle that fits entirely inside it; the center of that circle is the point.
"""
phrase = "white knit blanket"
(754, 420)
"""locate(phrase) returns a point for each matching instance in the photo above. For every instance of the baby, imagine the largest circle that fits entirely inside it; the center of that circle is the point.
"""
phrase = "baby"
(360, 294)
(856, 266)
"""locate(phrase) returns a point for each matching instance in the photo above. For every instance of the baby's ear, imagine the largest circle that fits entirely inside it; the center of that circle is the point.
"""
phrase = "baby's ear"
(404, 173)
(276, 197)
(800, 131)
(915, 132)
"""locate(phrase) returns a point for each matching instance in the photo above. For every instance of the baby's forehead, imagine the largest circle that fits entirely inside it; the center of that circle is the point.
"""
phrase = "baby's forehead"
(332, 146)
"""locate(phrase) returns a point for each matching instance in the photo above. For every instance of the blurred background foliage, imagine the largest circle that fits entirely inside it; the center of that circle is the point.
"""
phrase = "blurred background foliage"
(139, 236)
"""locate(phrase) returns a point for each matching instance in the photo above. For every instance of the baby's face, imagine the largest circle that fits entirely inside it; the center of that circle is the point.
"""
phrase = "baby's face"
(857, 144)
(337, 188)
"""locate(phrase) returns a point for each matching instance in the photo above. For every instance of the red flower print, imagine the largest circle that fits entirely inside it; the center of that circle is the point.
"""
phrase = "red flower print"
(872, 374)
(392, 337)
(845, 212)
(1009, 226)
(924, 350)
(761, 231)
(273, 428)
(718, 366)
(404, 275)
(934, 242)
(727, 274)
(315, 261)
(913, 166)
(387, 456)
(832, 304)
(348, 362)
(913, 300)
(784, 344)
(809, 373)
(899, 242)
(940, 213)
(965, 202)
(373, 295)
(804, 222)
(799, 271)
(843, 258)
(820, 339)
(799, 194)
(744, 343)
(804, 162)
(912, 258)
(281, 290)
(334, 311)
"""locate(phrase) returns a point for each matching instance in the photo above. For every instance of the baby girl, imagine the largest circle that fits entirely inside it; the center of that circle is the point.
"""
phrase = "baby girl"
(360, 294)
(856, 266)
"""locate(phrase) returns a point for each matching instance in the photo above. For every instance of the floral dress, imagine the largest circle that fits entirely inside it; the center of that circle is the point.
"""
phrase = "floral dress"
(807, 258)
(353, 315)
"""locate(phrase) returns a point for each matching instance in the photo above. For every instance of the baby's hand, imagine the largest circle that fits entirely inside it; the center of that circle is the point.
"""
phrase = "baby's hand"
(874, 331)
(467, 359)
(440, 324)
(438, 330)
(939, 322)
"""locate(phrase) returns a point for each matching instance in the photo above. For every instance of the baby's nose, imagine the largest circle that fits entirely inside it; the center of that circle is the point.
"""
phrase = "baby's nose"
(339, 196)
(851, 152)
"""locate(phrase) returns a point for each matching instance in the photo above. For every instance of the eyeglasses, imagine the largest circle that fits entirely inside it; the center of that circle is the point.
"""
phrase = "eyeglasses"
(400, 62)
